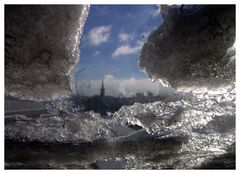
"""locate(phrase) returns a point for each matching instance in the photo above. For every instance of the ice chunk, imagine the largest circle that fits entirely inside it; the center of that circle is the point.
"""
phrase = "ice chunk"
(42, 49)
(192, 46)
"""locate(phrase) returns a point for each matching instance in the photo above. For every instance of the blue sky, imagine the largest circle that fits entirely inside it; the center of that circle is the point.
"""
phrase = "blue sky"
(111, 43)
(112, 39)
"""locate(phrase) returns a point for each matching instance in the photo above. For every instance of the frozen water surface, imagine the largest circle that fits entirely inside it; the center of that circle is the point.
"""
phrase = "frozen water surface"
(186, 133)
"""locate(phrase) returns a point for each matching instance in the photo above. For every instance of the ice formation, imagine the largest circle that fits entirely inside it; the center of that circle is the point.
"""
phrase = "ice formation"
(193, 46)
(195, 130)
(42, 49)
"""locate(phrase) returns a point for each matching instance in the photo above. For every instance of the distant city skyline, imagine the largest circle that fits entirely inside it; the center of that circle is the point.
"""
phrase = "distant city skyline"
(120, 87)
(112, 40)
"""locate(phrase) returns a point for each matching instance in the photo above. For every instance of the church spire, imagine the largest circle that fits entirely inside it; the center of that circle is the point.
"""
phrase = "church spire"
(102, 89)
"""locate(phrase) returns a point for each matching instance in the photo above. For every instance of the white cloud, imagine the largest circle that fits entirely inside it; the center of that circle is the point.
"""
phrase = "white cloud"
(99, 35)
(123, 37)
(108, 77)
(127, 49)
(126, 87)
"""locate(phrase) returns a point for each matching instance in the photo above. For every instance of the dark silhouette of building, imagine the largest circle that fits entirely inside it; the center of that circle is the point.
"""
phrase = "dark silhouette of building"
(102, 92)
(103, 104)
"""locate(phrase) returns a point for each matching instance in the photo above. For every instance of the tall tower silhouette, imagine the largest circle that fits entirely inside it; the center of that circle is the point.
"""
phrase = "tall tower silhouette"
(102, 94)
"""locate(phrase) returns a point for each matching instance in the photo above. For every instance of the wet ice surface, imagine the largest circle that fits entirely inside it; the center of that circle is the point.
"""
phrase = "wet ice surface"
(198, 132)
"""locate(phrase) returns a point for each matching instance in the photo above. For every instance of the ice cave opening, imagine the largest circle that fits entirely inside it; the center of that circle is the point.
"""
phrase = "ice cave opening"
(188, 126)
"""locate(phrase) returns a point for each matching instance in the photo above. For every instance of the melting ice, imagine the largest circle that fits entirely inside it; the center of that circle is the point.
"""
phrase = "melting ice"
(199, 128)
